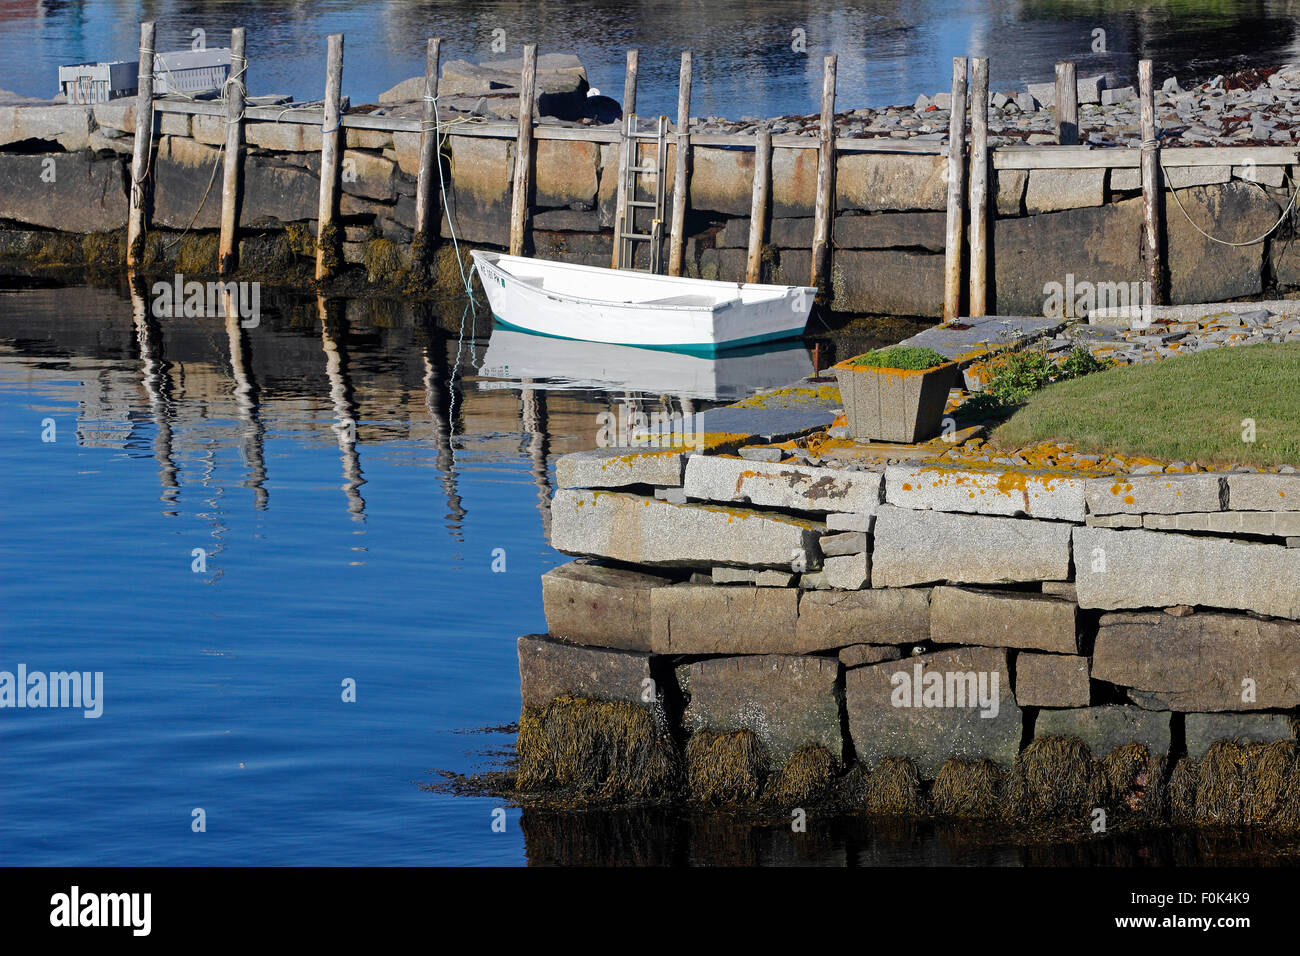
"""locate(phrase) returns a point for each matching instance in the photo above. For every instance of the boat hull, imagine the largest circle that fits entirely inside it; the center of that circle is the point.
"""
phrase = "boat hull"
(699, 330)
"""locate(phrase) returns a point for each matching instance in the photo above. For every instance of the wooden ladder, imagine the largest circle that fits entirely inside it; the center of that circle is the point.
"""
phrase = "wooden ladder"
(630, 168)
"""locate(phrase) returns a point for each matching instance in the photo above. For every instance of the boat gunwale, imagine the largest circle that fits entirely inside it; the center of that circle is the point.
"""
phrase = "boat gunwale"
(778, 291)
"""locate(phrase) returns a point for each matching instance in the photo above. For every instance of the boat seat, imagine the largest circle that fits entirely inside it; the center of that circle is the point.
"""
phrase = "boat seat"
(535, 281)
(700, 301)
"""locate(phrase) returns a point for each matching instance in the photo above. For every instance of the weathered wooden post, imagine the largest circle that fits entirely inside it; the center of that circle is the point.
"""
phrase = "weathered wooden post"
(227, 250)
(523, 151)
(1152, 195)
(427, 213)
(979, 185)
(331, 140)
(143, 142)
(1067, 105)
(824, 209)
(681, 168)
(627, 156)
(956, 192)
(758, 204)
(629, 82)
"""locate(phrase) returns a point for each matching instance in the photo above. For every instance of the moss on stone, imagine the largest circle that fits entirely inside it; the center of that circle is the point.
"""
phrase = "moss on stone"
(893, 788)
(726, 768)
(968, 788)
(196, 253)
(1055, 778)
(806, 777)
(597, 749)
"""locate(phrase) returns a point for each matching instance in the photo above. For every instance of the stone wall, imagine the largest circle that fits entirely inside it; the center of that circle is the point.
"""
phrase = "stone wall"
(937, 632)
(888, 234)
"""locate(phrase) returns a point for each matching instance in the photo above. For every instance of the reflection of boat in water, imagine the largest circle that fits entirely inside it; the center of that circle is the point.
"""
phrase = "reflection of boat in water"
(560, 363)
(623, 307)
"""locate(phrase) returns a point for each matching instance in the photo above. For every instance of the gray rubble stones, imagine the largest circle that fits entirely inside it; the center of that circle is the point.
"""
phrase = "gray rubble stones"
(1115, 97)
(849, 521)
(849, 572)
(1044, 94)
(1051, 190)
(789, 702)
(796, 487)
(1204, 730)
(832, 619)
(1142, 569)
(1114, 521)
(588, 603)
(857, 655)
(712, 619)
(1183, 177)
(921, 547)
(1003, 619)
(845, 542)
(640, 530)
(1264, 492)
(549, 668)
(1205, 662)
(616, 468)
(1034, 493)
(961, 706)
(1155, 494)
(1108, 727)
(1052, 680)
(1277, 524)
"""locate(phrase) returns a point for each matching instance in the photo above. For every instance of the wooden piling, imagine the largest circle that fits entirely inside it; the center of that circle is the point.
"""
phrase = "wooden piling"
(426, 189)
(143, 143)
(627, 156)
(979, 185)
(956, 192)
(681, 168)
(824, 209)
(1067, 105)
(758, 204)
(629, 82)
(523, 151)
(330, 149)
(227, 250)
(1152, 195)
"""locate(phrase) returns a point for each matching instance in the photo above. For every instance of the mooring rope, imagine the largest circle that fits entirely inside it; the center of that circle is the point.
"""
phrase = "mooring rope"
(1224, 242)
(1150, 145)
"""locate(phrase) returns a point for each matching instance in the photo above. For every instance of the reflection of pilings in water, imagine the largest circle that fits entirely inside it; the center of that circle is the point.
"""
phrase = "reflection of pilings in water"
(532, 407)
(214, 504)
(254, 432)
(438, 402)
(332, 329)
(157, 386)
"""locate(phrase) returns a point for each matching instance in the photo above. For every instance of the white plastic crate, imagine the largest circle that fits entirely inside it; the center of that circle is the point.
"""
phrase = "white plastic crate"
(180, 71)
(190, 71)
(98, 82)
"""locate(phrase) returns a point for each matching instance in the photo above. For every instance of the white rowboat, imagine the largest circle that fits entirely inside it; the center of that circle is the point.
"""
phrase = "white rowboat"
(622, 307)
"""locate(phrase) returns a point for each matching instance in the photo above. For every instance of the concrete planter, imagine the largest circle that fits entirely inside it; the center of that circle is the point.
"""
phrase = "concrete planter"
(892, 404)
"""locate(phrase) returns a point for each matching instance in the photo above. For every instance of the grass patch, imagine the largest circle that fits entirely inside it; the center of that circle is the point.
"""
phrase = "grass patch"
(908, 357)
(1190, 408)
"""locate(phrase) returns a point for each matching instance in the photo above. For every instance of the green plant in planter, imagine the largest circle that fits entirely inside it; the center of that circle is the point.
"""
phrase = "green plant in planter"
(908, 357)
(896, 394)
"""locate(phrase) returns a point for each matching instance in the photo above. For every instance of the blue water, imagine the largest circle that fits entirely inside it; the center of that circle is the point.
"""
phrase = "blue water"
(748, 58)
(222, 689)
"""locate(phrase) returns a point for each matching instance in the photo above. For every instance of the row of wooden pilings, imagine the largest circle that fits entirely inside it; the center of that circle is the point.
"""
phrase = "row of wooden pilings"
(967, 202)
